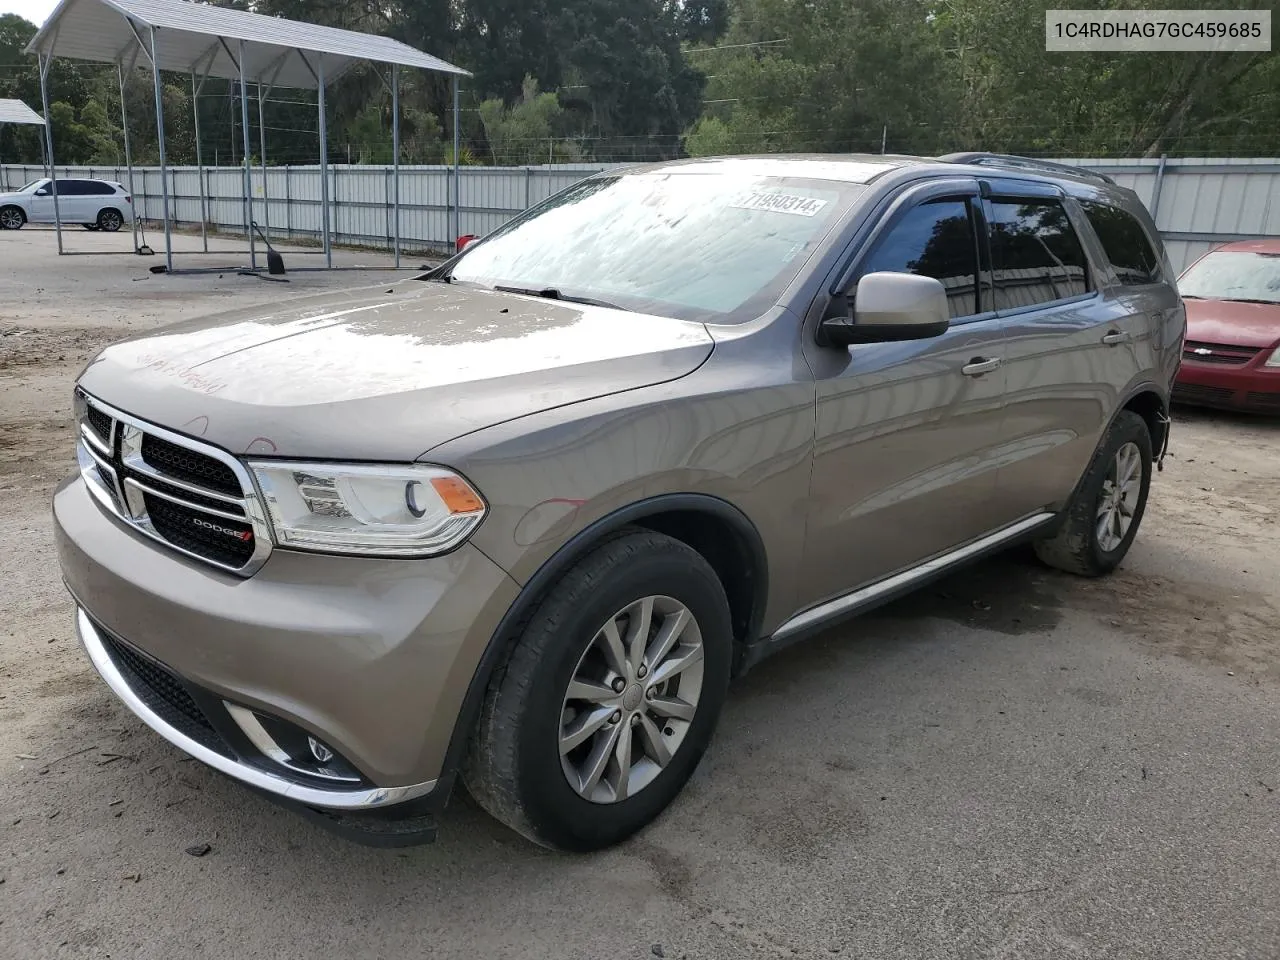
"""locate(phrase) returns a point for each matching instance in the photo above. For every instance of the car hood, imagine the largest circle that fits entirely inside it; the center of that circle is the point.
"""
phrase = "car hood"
(387, 372)
(1232, 322)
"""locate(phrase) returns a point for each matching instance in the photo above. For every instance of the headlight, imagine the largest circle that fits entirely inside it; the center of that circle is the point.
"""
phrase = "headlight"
(392, 511)
(1274, 359)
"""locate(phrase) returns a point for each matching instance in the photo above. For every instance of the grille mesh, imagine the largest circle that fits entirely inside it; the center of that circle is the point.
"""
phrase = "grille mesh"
(188, 465)
(1267, 401)
(164, 693)
(1196, 393)
(178, 525)
(100, 423)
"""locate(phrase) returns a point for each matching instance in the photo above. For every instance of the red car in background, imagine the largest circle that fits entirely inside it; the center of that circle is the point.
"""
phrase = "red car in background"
(1232, 354)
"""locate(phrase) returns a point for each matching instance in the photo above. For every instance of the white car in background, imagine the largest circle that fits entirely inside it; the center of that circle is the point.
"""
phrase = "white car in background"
(94, 204)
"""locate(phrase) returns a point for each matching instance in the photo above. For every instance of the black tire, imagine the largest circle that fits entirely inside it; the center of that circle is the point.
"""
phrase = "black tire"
(513, 767)
(110, 219)
(12, 218)
(1075, 547)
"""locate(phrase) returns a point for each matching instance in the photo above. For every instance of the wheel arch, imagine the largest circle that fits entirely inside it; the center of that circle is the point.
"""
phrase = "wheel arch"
(1148, 403)
(715, 528)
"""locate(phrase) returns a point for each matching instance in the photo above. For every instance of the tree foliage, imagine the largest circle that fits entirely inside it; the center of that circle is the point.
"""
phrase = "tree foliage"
(649, 79)
(938, 75)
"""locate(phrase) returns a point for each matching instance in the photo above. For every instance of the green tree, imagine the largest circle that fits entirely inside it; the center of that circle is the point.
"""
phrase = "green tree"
(523, 132)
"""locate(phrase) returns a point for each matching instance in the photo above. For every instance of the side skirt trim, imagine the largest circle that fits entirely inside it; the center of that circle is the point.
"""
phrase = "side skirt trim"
(882, 590)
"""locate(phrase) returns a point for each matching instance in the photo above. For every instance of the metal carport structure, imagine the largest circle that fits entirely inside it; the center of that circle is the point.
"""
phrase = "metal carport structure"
(15, 111)
(205, 41)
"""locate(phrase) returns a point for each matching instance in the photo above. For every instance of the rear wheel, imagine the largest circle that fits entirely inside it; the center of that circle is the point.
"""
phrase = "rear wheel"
(12, 218)
(1103, 516)
(110, 219)
(609, 698)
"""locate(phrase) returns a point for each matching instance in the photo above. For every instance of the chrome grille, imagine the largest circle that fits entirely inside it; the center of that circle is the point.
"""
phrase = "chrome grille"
(195, 498)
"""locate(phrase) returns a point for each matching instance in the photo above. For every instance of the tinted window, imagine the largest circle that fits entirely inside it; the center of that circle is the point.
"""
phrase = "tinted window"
(933, 240)
(70, 188)
(97, 188)
(1124, 242)
(1036, 254)
(697, 246)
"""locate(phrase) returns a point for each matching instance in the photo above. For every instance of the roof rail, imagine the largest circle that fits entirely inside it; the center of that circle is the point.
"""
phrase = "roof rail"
(1024, 163)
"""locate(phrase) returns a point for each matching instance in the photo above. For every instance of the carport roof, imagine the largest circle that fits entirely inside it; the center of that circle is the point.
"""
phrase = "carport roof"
(195, 37)
(15, 111)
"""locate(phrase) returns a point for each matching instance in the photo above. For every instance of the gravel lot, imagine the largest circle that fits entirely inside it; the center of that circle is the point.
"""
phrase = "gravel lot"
(1012, 763)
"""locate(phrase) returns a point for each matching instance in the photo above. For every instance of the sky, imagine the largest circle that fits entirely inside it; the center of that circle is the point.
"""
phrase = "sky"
(37, 11)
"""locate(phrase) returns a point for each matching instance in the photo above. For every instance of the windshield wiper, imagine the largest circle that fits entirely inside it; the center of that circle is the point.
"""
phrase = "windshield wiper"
(551, 293)
(1270, 303)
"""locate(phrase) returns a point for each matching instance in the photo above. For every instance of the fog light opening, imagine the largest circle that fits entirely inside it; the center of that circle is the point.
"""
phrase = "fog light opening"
(291, 747)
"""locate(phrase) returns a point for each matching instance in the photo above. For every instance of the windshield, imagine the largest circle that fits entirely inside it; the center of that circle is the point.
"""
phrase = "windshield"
(710, 247)
(1234, 275)
(30, 187)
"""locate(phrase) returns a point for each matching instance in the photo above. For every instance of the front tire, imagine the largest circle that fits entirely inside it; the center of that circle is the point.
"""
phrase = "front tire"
(1104, 514)
(12, 218)
(609, 697)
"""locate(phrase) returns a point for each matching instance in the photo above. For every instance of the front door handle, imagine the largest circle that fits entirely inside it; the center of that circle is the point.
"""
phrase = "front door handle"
(980, 365)
(1115, 337)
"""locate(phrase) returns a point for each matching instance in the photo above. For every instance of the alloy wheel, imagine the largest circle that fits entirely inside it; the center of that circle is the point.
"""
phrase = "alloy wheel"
(110, 221)
(1118, 501)
(631, 700)
(10, 219)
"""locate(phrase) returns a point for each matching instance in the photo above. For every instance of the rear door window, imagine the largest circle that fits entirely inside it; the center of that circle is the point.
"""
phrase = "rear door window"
(1125, 243)
(1036, 255)
(935, 239)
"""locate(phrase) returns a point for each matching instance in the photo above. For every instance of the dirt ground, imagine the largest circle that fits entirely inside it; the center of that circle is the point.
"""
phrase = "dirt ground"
(1011, 763)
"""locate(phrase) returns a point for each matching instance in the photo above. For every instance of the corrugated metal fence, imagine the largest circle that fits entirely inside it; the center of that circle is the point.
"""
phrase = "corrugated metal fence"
(1196, 202)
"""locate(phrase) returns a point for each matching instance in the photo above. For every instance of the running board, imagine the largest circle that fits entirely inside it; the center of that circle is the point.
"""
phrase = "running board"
(882, 591)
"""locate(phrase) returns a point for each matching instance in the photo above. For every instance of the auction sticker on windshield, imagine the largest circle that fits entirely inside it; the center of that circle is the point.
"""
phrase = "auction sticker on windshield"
(779, 203)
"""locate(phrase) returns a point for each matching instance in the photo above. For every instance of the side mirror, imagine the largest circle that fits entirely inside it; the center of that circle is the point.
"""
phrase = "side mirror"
(42, 192)
(887, 306)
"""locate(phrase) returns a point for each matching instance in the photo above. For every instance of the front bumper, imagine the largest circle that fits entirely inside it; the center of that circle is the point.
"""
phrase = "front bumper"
(1252, 386)
(131, 693)
(371, 657)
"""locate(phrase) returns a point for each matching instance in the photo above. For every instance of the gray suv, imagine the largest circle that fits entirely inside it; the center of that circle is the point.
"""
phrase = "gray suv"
(520, 520)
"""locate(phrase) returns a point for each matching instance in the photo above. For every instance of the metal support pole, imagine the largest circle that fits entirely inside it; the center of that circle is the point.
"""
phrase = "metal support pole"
(164, 167)
(204, 208)
(455, 205)
(128, 154)
(324, 166)
(1155, 190)
(262, 148)
(248, 168)
(45, 61)
(395, 155)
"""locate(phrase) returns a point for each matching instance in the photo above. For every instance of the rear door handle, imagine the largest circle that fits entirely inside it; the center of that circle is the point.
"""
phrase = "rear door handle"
(1115, 337)
(980, 365)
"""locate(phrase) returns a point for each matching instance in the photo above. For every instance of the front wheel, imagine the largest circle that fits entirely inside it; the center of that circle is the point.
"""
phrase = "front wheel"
(609, 698)
(12, 218)
(1104, 514)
